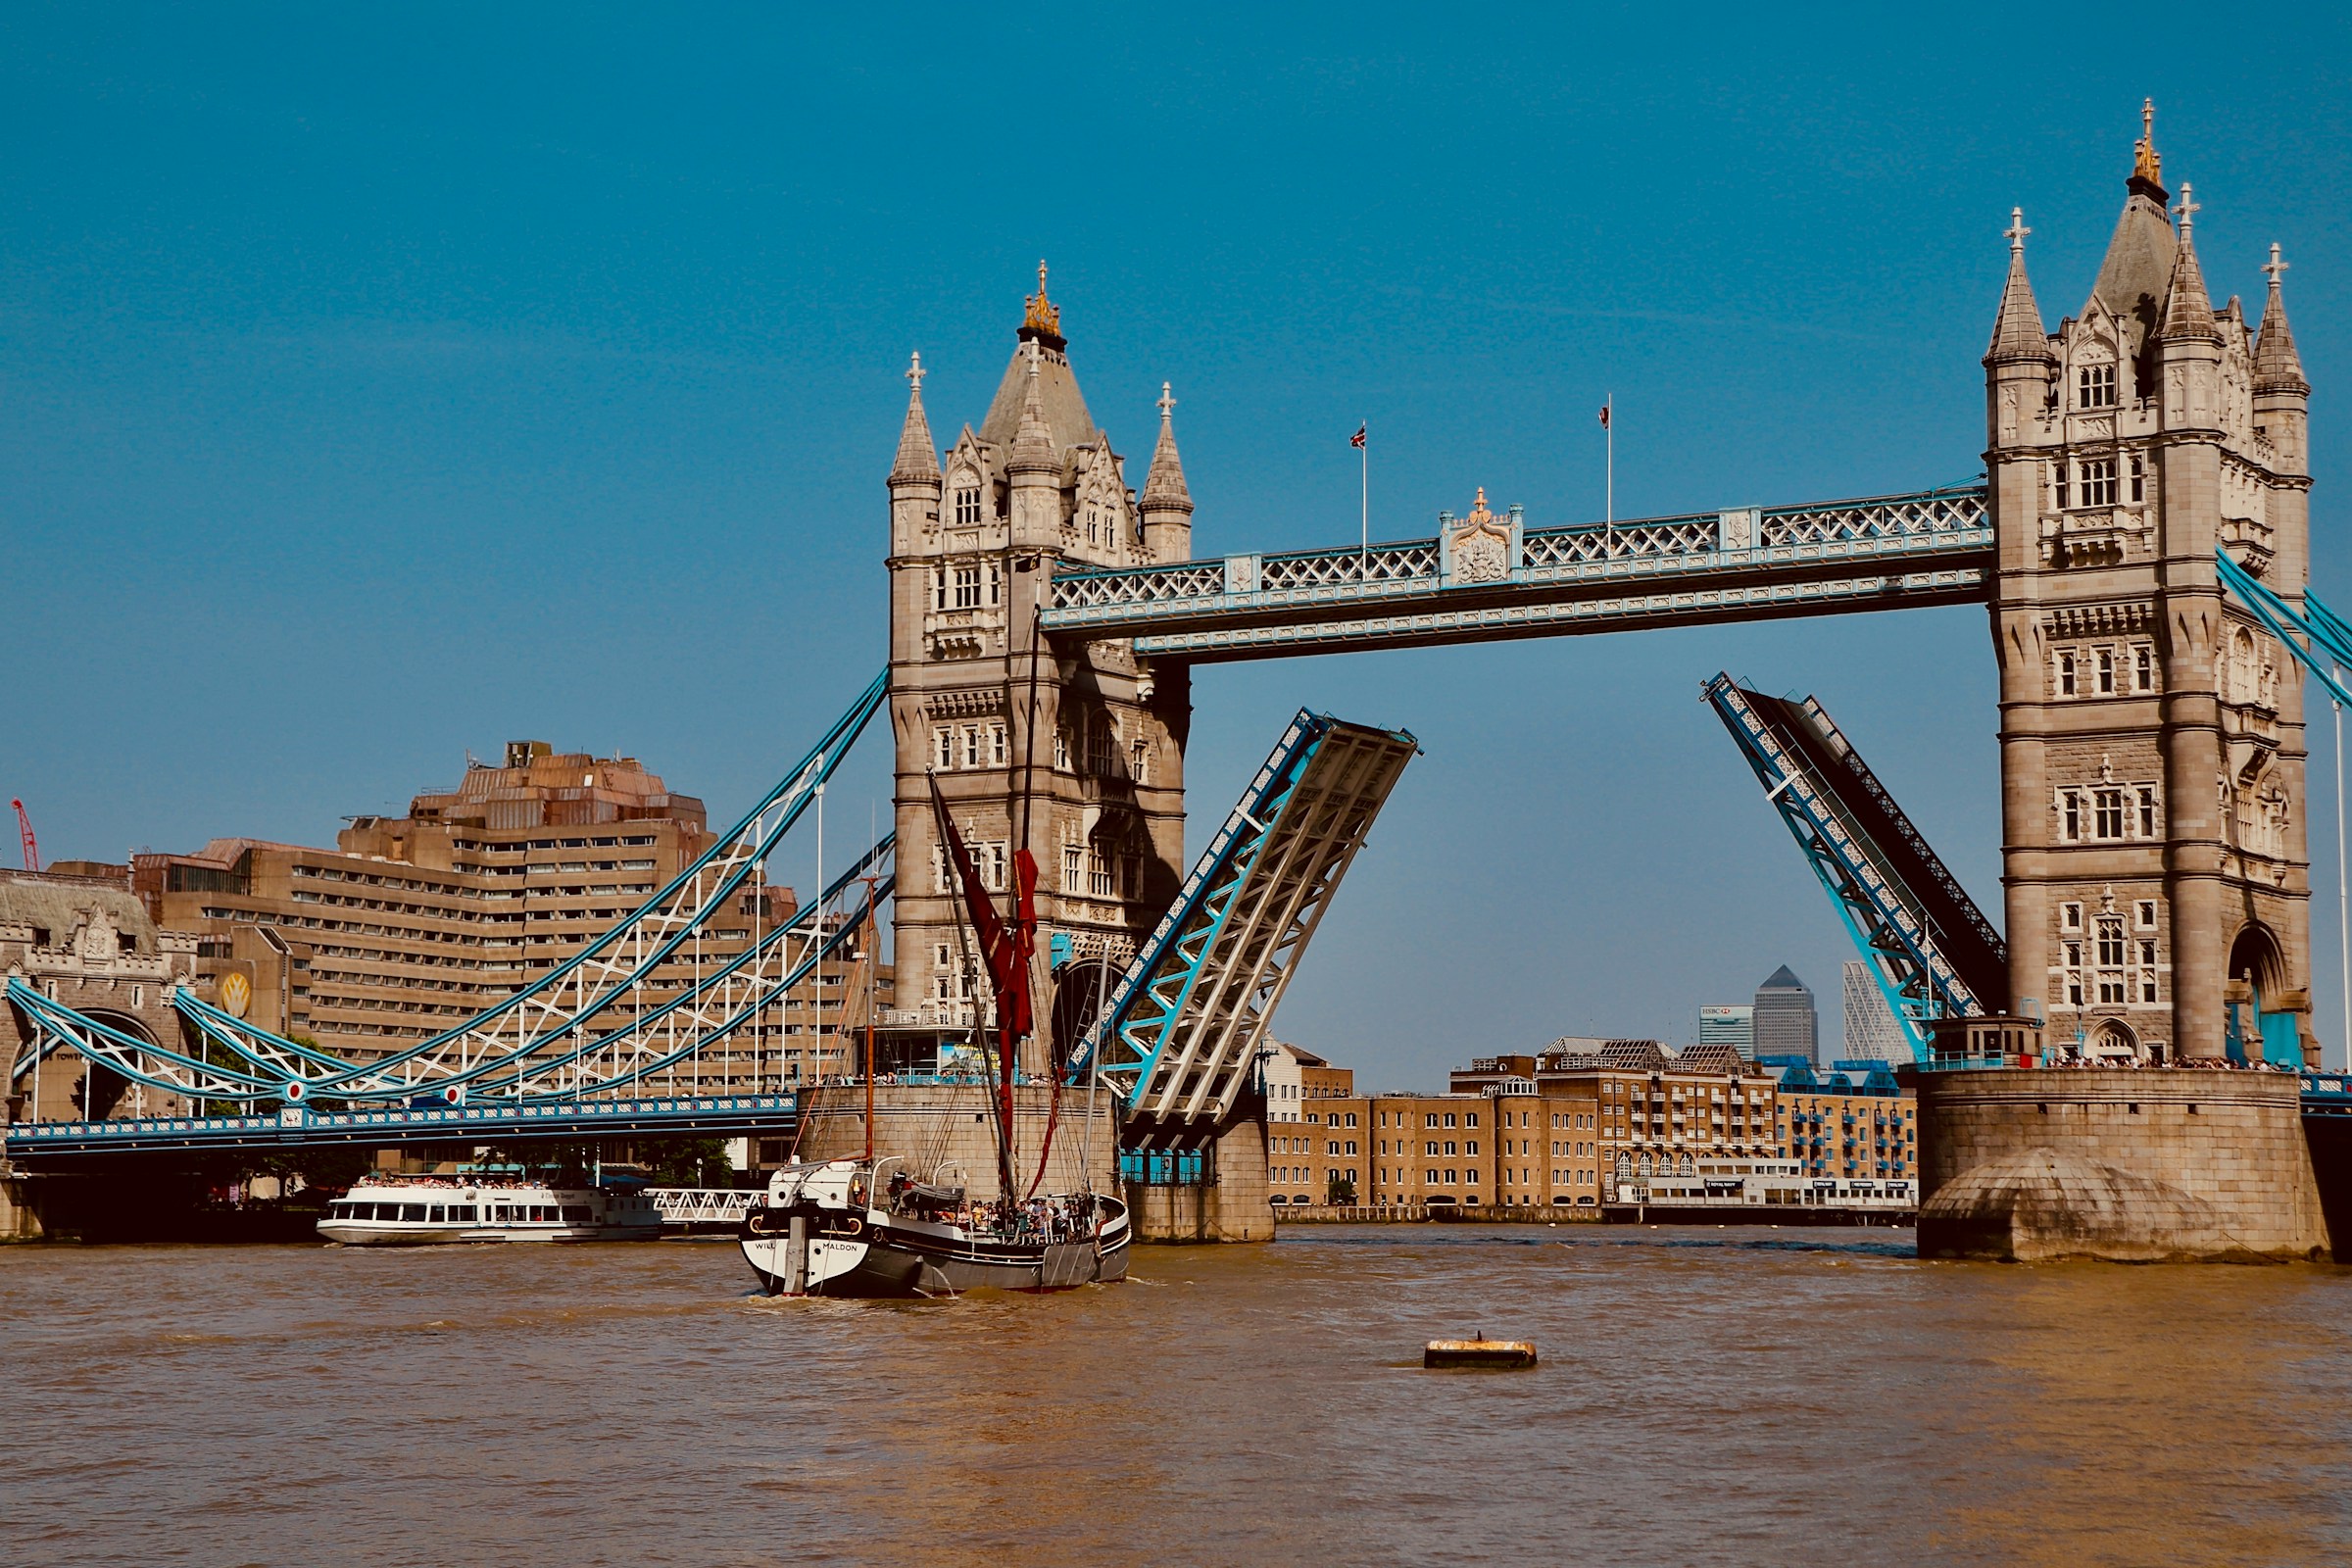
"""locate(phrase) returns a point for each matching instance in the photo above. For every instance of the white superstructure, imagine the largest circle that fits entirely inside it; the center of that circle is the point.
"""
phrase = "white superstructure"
(424, 1212)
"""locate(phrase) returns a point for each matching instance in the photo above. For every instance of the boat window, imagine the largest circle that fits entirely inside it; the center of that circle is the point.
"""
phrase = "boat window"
(540, 1212)
(502, 1214)
(463, 1212)
(576, 1213)
(439, 1214)
(411, 1211)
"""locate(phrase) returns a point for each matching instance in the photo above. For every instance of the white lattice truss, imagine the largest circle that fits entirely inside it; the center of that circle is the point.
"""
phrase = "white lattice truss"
(1932, 546)
(1182, 1032)
(702, 1206)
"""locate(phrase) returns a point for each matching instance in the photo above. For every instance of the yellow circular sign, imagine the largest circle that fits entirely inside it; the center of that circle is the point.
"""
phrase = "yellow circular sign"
(236, 994)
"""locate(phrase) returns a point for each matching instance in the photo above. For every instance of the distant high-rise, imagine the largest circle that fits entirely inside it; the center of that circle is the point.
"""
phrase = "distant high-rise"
(1871, 1031)
(1732, 1025)
(1786, 1024)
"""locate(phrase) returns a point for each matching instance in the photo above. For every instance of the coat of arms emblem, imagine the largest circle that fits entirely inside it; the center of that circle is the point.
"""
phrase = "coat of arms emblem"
(1478, 546)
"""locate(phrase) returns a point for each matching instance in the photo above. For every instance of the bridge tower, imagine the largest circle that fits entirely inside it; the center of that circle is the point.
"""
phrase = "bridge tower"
(2152, 749)
(1077, 747)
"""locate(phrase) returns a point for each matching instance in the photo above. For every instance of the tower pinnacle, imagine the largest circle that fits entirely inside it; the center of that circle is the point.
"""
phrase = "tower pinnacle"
(1033, 450)
(1041, 322)
(2148, 165)
(917, 459)
(2187, 308)
(1164, 489)
(2277, 368)
(2016, 333)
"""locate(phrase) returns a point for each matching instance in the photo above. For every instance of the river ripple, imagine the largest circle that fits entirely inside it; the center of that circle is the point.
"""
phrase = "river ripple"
(1706, 1397)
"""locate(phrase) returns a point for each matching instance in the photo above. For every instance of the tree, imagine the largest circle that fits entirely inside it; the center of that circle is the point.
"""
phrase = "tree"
(1338, 1189)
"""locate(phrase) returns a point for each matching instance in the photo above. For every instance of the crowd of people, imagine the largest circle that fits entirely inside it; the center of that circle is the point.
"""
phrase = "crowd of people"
(1046, 1219)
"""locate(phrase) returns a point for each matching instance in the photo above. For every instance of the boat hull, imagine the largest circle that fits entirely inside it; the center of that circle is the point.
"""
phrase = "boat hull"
(883, 1262)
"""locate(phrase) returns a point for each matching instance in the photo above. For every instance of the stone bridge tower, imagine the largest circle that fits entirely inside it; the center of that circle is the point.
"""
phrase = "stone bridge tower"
(2152, 748)
(1076, 750)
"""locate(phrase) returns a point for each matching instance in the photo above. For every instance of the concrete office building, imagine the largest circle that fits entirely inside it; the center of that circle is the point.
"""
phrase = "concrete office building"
(412, 924)
(1786, 1024)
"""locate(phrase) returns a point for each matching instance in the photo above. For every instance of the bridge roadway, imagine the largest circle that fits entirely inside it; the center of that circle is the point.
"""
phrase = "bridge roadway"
(711, 1117)
(1489, 577)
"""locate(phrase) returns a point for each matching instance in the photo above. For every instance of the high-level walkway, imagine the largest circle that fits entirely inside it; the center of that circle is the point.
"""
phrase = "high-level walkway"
(1487, 576)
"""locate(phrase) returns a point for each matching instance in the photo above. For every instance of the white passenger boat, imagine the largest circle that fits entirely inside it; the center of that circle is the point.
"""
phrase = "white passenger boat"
(422, 1211)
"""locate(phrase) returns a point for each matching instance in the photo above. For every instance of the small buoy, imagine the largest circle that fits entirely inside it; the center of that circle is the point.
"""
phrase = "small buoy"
(1478, 1352)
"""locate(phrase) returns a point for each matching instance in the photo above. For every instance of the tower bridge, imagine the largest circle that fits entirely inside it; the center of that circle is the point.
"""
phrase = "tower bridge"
(1045, 618)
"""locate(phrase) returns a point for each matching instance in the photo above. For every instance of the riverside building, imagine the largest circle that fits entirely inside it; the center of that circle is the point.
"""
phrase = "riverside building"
(1315, 1127)
(412, 924)
(1554, 1129)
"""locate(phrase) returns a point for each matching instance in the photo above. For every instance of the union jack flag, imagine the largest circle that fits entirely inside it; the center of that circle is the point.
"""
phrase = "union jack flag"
(1357, 439)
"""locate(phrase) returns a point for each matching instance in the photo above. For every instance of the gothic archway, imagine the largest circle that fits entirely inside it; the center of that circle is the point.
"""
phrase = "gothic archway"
(2258, 1028)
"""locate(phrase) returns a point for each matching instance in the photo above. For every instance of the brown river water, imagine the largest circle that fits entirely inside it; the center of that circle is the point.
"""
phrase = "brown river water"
(1710, 1396)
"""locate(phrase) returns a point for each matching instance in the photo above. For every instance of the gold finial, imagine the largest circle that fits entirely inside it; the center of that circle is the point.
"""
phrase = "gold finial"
(2146, 164)
(1044, 314)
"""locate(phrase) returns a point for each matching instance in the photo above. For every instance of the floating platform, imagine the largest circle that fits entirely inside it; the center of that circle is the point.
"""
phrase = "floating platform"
(1490, 1355)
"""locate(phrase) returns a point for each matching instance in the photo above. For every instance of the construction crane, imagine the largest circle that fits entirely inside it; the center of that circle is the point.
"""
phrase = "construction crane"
(32, 850)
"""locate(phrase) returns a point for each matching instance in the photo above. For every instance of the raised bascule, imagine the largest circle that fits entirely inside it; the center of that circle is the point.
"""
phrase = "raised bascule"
(2138, 535)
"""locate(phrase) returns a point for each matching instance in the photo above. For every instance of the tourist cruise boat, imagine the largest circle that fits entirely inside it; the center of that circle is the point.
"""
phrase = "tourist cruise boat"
(860, 1228)
(1777, 1189)
(427, 1211)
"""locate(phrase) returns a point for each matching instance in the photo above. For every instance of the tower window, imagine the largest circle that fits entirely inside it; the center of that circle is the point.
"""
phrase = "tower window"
(967, 506)
(2144, 912)
(967, 587)
(2109, 820)
(2106, 672)
(2143, 668)
(2066, 674)
(2070, 809)
(2098, 482)
(2147, 816)
(2096, 384)
(2139, 477)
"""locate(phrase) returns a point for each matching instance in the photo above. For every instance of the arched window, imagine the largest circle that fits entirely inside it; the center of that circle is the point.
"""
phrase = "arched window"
(2244, 679)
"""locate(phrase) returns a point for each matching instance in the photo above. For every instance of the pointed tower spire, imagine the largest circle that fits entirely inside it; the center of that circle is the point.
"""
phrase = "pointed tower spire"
(1165, 487)
(2016, 333)
(2148, 164)
(1033, 443)
(917, 459)
(1167, 505)
(2187, 308)
(2277, 368)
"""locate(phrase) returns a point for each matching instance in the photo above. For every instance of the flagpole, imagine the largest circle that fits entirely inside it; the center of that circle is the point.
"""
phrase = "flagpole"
(1608, 427)
(1364, 477)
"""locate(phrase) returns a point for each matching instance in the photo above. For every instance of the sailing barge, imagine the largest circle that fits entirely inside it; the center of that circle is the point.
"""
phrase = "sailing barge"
(860, 1228)
(866, 1228)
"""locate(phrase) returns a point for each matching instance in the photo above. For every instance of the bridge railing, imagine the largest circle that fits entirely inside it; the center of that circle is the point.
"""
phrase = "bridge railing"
(1895, 526)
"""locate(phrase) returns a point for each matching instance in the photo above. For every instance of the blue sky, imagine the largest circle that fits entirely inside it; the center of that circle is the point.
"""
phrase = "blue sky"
(376, 387)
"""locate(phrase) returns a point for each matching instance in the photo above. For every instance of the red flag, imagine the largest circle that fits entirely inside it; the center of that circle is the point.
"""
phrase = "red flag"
(1357, 439)
(1604, 415)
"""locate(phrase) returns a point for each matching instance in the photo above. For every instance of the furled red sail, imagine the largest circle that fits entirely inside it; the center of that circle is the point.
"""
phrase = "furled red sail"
(1005, 946)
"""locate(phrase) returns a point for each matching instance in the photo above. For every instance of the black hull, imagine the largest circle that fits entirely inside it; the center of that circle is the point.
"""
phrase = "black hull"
(909, 1266)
